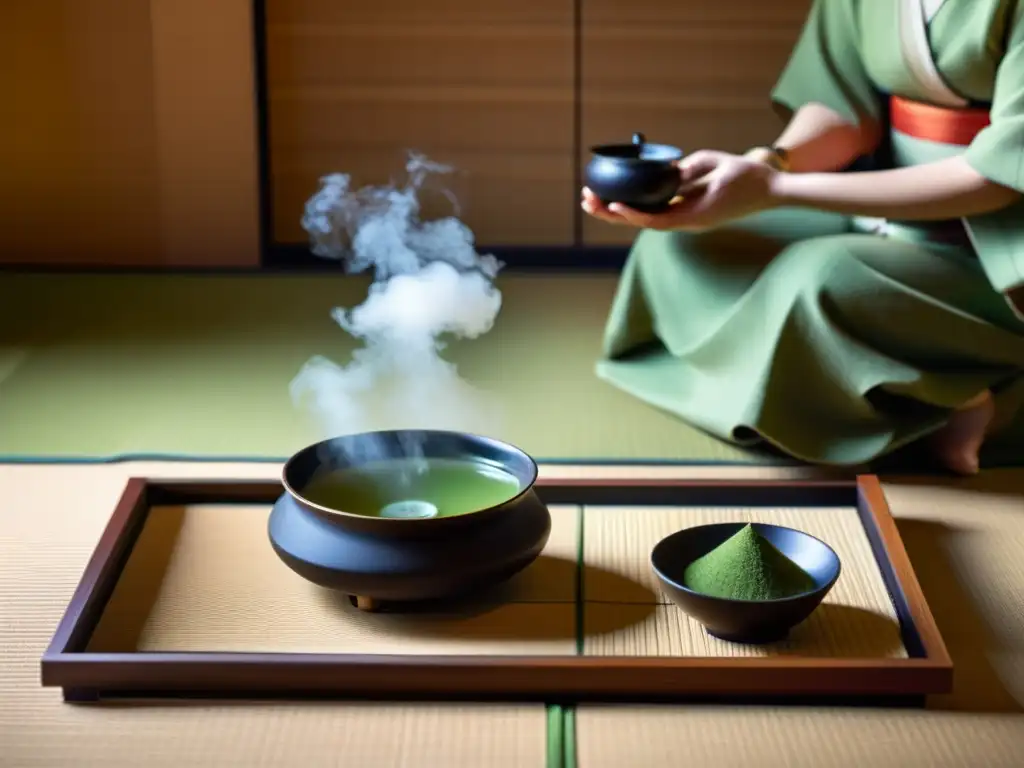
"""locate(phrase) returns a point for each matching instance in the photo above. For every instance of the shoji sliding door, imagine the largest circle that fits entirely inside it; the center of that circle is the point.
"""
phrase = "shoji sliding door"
(484, 85)
(695, 73)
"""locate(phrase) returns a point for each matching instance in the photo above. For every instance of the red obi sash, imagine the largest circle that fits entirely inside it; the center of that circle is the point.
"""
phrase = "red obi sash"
(943, 125)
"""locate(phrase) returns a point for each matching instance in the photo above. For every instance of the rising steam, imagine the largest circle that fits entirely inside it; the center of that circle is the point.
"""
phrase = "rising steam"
(429, 283)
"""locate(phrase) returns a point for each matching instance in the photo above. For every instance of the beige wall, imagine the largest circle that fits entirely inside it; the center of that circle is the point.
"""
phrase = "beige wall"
(128, 127)
(127, 133)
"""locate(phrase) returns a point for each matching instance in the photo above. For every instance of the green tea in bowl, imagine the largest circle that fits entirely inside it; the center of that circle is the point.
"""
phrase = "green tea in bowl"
(401, 516)
(412, 489)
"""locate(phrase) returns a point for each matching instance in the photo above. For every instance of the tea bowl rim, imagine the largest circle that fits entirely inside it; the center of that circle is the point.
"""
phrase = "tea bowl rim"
(822, 590)
(528, 482)
(602, 151)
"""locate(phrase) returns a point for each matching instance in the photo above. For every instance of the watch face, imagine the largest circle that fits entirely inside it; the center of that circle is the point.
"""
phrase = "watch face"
(782, 158)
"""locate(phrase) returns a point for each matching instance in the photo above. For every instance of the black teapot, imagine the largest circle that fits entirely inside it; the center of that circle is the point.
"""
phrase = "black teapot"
(640, 175)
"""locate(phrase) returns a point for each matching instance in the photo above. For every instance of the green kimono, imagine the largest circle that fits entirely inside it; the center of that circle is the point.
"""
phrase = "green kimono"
(806, 331)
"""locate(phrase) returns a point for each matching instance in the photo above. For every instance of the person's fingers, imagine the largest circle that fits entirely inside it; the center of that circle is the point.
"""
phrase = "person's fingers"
(598, 211)
(694, 189)
(699, 164)
(691, 213)
(591, 202)
(634, 217)
(592, 205)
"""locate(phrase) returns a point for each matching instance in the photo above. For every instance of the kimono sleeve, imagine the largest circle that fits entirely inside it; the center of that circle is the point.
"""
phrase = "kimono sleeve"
(826, 66)
(997, 153)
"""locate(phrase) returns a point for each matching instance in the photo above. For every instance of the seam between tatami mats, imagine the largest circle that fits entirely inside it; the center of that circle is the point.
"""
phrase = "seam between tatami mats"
(555, 734)
(568, 713)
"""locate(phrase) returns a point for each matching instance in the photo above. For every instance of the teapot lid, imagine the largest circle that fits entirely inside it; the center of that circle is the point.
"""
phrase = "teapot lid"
(639, 149)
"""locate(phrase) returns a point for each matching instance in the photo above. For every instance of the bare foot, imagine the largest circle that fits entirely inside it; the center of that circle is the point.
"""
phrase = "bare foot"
(958, 443)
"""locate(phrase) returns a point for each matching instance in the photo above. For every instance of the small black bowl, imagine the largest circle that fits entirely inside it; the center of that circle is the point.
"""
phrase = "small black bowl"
(745, 621)
(641, 175)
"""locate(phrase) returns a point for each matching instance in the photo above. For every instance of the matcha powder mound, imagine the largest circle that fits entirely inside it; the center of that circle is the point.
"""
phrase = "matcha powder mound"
(747, 567)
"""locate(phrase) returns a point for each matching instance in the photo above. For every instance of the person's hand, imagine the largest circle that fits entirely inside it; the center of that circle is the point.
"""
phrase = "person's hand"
(715, 188)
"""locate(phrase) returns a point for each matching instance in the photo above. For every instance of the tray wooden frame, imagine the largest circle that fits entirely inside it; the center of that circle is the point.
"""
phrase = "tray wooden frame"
(86, 676)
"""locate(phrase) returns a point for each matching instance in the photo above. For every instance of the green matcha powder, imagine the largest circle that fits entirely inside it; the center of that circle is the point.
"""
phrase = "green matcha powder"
(747, 567)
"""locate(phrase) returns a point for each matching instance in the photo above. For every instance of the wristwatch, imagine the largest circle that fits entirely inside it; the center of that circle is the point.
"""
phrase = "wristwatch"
(776, 157)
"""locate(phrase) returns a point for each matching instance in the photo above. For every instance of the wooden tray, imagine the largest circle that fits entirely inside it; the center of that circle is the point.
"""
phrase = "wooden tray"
(570, 627)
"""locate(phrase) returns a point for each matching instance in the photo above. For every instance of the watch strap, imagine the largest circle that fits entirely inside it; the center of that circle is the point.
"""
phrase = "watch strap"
(776, 157)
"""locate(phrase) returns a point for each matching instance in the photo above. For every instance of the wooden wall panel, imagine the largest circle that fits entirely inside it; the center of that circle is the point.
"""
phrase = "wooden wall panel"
(696, 74)
(128, 129)
(484, 86)
(77, 132)
(127, 133)
(204, 91)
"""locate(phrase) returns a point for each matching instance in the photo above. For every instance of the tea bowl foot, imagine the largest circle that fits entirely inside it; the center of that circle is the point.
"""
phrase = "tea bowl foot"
(367, 604)
(763, 637)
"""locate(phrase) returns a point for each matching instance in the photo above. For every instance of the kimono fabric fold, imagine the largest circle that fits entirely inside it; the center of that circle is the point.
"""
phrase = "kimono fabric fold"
(834, 339)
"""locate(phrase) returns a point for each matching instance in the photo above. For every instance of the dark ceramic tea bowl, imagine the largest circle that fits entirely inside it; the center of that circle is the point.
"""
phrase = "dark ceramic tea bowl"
(640, 175)
(745, 621)
(398, 560)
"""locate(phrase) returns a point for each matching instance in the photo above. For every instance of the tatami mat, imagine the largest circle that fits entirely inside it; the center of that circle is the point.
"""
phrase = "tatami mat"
(735, 737)
(191, 365)
(194, 365)
(966, 541)
(857, 618)
(203, 578)
(50, 519)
